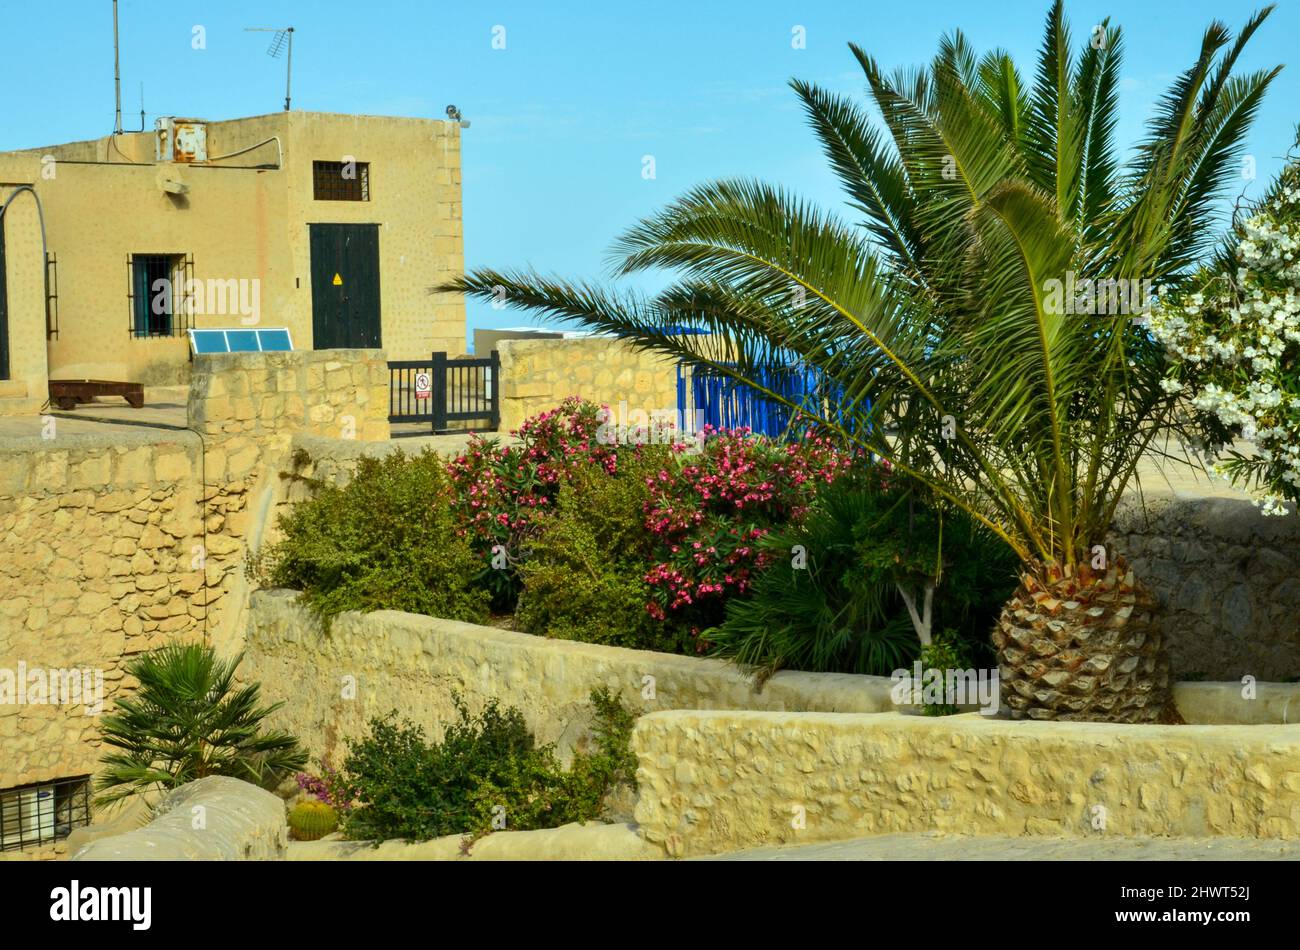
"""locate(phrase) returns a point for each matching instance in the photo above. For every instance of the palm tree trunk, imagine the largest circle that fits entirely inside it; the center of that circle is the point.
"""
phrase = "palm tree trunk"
(1084, 647)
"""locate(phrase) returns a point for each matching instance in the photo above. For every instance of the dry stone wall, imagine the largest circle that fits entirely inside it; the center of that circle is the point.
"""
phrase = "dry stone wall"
(1228, 578)
(537, 375)
(247, 408)
(99, 544)
(371, 664)
(116, 543)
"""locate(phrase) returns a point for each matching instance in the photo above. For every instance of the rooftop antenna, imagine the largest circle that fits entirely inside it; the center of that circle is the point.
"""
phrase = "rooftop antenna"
(281, 42)
(117, 77)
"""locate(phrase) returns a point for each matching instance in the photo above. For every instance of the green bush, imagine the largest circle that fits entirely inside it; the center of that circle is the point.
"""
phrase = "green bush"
(584, 577)
(946, 652)
(385, 541)
(829, 599)
(486, 773)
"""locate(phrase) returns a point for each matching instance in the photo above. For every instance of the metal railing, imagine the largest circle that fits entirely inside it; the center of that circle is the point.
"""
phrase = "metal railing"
(440, 392)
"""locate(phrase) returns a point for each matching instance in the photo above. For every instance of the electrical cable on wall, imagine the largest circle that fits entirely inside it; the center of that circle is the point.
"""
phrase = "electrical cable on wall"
(40, 214)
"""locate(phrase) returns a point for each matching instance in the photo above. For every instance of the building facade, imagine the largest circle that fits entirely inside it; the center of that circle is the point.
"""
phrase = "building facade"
(333, 226)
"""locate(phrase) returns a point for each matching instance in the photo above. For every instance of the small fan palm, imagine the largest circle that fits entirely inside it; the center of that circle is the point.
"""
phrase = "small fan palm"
(940, 326)
(188, 720)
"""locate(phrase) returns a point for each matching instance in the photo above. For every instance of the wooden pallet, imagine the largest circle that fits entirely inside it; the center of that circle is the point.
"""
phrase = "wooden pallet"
(68, 393)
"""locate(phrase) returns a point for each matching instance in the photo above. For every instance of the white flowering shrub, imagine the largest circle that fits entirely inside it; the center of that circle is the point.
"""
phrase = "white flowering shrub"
(1235, 348)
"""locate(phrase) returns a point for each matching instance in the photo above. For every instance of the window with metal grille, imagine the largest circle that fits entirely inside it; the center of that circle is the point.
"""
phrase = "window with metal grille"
(157, 289)
(34, 815)
(341, 181)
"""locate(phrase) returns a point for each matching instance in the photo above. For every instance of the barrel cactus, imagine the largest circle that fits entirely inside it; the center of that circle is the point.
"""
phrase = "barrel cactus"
(312, 820)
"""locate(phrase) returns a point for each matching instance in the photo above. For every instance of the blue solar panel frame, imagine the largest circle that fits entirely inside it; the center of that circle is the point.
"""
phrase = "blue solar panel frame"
(208, 340)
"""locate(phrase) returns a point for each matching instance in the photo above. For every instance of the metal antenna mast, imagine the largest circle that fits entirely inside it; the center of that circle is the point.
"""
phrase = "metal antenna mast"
(117, 77)
(281, 42)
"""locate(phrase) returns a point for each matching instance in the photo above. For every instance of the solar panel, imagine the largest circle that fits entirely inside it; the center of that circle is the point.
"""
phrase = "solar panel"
(208, 341)
(276, 341)
(241, 340)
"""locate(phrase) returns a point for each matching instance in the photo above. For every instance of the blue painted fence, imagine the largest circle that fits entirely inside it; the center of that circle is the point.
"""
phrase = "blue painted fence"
(708, 398)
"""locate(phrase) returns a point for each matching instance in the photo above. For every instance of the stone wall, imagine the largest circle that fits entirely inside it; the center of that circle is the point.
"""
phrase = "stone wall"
(722, 781)
(1229, 579)
(537, 375)
(117, 542)
(245, 401)
(371, 664)
(248, 407)
(98, 544)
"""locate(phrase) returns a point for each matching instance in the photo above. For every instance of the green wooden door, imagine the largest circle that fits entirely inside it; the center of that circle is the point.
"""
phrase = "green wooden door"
(345, 286)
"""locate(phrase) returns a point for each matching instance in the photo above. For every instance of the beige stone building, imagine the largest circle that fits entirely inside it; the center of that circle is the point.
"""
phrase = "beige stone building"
(333, 226)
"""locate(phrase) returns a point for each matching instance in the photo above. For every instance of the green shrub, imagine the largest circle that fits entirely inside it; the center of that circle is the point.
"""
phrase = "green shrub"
(186, 721)
(946, 652)
(503, 491)
(584, 577)
(385, 541)
(486, 773)
(829, 599)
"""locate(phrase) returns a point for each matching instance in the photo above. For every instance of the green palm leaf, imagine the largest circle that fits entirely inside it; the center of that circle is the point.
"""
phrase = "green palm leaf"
(975, 193)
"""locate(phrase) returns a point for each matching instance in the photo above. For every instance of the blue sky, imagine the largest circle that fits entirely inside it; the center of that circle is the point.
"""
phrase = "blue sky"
(563, 116)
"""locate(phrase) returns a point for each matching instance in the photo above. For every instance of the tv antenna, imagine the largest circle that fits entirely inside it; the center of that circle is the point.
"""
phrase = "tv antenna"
(281, 42)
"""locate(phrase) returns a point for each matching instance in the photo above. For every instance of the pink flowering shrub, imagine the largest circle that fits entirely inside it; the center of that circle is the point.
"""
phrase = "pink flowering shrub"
(329, 787)
(501, 492)
(704, 512)
(709, 510)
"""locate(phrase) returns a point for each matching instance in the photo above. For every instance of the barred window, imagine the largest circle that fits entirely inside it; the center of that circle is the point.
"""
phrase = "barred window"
(341, 181)
(157, 291)
(35, 815)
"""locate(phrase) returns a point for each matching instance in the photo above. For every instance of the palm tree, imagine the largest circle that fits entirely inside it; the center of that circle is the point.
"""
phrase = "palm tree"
(940, 324)
(187, 721)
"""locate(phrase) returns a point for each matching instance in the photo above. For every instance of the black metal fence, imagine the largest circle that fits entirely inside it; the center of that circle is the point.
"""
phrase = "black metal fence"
(440, 392)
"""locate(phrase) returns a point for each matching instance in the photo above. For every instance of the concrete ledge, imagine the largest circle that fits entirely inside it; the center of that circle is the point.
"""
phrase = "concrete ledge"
(212, 819)
(1224, 704)
(413, 664)
(591, 841)
(928, 846)
(725, 781)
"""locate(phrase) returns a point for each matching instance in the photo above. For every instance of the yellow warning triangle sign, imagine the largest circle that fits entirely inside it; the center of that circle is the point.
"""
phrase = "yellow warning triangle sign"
(338, 281)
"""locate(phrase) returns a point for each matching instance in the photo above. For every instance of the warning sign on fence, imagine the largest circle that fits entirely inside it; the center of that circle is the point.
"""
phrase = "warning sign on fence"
(423, 386)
